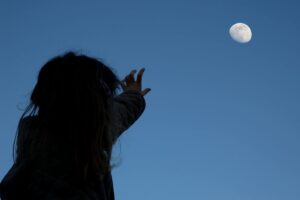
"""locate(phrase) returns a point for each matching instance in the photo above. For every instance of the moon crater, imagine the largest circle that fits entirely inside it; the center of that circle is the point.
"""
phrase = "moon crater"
(240, 32)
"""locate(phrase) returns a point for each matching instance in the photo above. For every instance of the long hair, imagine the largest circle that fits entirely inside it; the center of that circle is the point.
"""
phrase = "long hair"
(70, 109)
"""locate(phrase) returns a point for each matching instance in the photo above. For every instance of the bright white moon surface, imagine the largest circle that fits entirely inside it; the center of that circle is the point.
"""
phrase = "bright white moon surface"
(240, 32)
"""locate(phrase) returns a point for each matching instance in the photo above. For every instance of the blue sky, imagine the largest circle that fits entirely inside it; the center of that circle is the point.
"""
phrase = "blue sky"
(222, 119)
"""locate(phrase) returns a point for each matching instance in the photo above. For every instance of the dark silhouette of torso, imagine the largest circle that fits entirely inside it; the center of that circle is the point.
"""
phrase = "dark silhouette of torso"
(51, 177)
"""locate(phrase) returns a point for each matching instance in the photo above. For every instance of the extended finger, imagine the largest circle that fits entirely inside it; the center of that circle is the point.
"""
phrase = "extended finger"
(145, 91)
(130, 77)
(140, 76)
(133, 72)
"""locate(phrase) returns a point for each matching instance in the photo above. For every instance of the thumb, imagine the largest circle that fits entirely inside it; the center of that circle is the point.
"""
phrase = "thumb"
(145, 91)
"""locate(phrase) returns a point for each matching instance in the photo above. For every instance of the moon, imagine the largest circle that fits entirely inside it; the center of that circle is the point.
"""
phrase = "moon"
(240, 32)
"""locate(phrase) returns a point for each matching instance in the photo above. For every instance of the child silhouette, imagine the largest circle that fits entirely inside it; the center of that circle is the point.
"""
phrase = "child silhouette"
(66, 134)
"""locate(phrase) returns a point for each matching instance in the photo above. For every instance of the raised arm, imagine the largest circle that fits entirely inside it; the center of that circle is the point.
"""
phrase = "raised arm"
(126, 109)
(129, 105)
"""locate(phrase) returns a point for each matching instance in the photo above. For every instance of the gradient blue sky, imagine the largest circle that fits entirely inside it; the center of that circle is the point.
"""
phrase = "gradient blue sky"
(222, 119)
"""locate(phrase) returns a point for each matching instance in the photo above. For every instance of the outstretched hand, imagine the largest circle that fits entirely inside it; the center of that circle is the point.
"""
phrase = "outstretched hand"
(129, 82)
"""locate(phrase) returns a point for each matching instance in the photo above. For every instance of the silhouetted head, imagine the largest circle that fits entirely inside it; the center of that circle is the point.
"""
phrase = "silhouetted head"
(69, 111)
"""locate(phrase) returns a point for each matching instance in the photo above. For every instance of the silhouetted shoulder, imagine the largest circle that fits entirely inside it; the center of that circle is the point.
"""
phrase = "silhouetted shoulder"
(42, 186)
